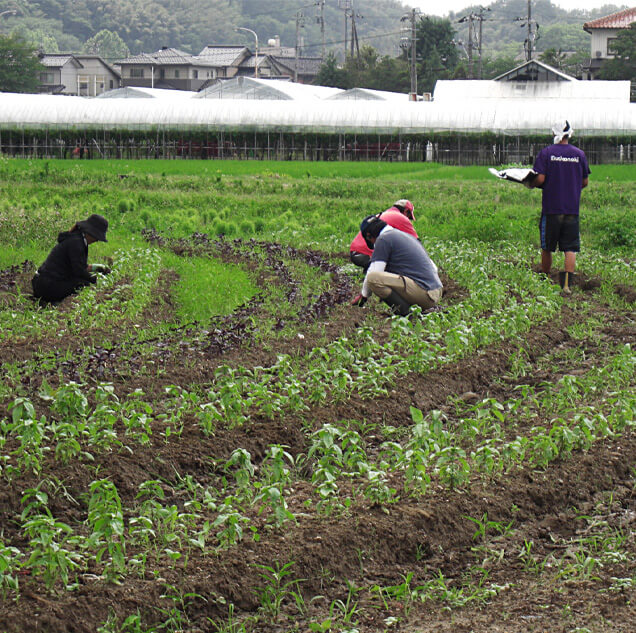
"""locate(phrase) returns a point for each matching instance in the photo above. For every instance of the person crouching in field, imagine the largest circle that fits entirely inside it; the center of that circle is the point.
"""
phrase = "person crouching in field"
(401, 273)
(400, 216)
(562, 172)
(66, 269)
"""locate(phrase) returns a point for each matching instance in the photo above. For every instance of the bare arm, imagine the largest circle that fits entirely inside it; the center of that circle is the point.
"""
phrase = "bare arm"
(537, 182)
(584, 183)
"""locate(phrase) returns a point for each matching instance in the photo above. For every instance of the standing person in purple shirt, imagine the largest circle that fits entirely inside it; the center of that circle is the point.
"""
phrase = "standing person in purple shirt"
(562, 172)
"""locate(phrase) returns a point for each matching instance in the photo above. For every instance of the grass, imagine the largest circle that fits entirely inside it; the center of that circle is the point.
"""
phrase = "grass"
(207, 288)
(293, 169)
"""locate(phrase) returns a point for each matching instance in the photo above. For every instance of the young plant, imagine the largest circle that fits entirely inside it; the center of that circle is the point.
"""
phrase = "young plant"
(106, 521)
(279, 586)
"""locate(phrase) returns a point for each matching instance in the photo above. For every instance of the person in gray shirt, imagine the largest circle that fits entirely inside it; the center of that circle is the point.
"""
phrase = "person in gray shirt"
(401, 272)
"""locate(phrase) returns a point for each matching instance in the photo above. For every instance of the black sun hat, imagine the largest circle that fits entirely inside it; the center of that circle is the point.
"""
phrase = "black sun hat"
(96, 225)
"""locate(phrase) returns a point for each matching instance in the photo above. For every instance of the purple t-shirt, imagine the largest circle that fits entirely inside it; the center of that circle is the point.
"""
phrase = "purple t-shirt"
(565, 167)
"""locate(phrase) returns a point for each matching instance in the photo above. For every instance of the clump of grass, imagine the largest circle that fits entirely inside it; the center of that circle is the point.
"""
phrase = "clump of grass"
(207, 288)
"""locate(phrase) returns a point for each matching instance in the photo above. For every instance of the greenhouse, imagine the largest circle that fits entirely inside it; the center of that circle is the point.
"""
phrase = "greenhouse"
(365, 94)
(265, 89)
(138, 92)
(467, 122)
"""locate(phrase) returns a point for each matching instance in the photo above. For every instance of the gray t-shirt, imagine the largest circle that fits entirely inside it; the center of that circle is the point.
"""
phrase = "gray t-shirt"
(405, 256)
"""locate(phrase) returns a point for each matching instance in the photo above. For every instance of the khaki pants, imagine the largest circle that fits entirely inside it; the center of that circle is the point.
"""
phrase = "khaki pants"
(383, 283)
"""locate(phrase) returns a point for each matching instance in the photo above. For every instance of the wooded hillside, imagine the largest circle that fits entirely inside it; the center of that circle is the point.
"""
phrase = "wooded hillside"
(146, 25)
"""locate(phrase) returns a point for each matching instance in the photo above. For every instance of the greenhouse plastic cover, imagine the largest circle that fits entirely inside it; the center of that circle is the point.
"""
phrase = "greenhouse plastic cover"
(366, 94)
(265, 89)
(138, 92)
(508, 116)
(449, 90)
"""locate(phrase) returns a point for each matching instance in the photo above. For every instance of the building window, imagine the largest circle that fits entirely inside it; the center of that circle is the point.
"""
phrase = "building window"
(195, 74)
(47, 78)
(110, 83)
(176, 74)
(136, 72)
(611, 46)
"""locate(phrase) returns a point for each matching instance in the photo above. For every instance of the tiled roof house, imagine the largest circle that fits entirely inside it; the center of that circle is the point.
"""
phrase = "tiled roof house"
(174, 69)
(74, 74)
(604, 32)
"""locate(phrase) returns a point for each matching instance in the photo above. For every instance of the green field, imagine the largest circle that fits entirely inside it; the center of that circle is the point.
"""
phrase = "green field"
(211, 438)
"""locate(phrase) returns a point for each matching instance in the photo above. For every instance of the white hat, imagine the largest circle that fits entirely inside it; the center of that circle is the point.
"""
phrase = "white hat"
(561, 129)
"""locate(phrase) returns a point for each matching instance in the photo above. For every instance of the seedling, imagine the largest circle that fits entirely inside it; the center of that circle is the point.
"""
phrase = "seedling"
(279, 587)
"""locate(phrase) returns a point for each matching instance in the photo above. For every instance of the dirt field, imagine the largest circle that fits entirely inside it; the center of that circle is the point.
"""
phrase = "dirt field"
(541, 563)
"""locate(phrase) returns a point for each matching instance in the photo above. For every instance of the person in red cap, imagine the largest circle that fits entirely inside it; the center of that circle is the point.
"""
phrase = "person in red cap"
(66, 269)
(401, 272)
(400, 216)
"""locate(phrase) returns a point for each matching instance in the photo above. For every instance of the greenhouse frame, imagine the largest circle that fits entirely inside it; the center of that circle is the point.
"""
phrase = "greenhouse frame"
(467, 122)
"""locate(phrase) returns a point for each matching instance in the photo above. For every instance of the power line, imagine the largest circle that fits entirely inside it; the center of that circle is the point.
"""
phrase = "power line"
(368, 37)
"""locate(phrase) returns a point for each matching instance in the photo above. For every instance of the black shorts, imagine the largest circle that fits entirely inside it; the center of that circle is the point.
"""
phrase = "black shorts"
(562, 230)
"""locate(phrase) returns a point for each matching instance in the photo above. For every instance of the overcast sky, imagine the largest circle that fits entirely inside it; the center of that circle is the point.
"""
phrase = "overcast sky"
(435, 7)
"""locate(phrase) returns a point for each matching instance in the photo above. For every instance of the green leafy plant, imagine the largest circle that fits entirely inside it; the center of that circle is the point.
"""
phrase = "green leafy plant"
(279, 587)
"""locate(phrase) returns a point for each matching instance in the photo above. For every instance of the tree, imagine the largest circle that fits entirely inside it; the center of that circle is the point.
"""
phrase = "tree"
(367, 70)
(623, 66)
(107, 45)
(437, 50)
(38, 34)
(329, 73)
(555, 58)
(567, 37)
(493, 67)
(569, 64)
(20, 68)
(392, 74)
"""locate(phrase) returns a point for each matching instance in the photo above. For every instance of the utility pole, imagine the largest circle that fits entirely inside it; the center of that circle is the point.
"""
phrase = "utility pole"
(533, 30)
(345, 5)
(300, 23)
(529, 30)
(481, 18)
(321, 20)
(354, 31)
(474, 38)
(469, 52)
(410, 44)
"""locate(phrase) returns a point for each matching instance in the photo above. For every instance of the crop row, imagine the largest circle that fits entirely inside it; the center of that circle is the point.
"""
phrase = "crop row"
(337, 459)
(120, 296)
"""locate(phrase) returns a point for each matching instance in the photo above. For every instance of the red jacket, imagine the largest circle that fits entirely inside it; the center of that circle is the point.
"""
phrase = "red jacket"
(393, 218)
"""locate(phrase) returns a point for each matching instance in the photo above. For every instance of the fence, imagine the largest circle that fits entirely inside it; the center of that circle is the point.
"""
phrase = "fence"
(447, 148)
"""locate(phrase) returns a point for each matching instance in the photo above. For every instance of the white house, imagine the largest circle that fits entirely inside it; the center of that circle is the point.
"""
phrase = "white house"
(604, 32)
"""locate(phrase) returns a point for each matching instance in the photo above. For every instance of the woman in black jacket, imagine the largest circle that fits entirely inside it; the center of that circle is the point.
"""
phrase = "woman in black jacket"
(66, 269)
